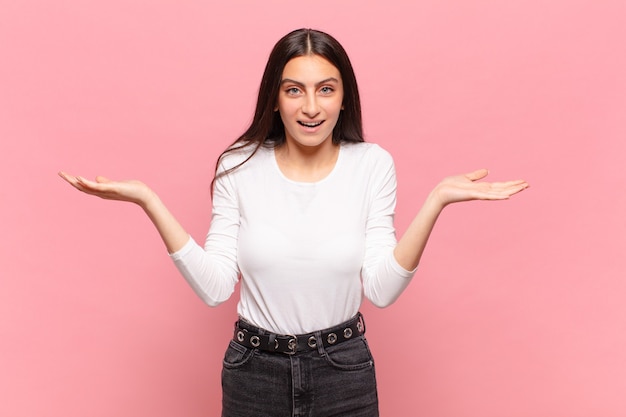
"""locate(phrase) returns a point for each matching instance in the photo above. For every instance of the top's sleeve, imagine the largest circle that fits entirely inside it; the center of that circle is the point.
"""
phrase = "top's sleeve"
(383, 278)
(212, 271)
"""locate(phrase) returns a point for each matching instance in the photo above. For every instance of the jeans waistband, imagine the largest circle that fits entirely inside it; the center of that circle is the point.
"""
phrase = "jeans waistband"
(257, 338)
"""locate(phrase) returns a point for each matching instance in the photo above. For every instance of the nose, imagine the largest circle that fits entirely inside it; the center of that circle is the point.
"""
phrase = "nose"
(310, 106)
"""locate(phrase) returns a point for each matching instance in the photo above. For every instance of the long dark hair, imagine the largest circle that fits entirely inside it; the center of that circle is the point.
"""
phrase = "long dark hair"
(267, 128)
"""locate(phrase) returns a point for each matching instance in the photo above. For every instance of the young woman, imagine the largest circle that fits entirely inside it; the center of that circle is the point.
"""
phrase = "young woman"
(303, 214)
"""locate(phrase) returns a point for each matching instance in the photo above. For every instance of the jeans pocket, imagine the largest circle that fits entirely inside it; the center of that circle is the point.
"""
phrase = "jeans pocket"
(350, 355)
(237, 355)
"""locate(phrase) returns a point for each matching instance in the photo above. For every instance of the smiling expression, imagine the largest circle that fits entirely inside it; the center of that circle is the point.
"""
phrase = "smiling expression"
(310, 100)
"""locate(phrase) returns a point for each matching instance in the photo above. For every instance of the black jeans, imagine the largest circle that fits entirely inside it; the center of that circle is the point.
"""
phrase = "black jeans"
(326, 382)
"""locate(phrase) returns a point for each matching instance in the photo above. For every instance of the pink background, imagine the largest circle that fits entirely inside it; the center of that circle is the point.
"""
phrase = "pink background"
(518, 308)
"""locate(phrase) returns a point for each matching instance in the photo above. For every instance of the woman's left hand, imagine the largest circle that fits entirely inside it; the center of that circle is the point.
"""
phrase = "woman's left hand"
(469, 187)
(410, 247)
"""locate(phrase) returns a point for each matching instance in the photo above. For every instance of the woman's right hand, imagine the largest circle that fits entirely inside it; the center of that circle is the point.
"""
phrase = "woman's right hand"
(131, 190)
(172, 233)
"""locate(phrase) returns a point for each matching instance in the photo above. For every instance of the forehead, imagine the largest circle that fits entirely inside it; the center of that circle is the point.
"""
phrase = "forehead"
(310, 68)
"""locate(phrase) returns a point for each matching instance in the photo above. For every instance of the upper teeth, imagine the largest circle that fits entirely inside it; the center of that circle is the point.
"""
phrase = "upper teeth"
(312, 124)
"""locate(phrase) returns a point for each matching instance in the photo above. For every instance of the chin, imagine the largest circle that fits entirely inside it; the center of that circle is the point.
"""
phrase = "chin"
(311, 142)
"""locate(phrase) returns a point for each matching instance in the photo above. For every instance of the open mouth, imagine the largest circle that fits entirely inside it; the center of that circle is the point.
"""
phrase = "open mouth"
(310, 124)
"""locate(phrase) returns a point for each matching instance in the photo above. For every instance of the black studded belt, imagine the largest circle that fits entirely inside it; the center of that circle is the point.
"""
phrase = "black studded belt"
(256, 338)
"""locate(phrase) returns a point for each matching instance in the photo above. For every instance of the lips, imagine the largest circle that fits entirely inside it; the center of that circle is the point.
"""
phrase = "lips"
(310, 124)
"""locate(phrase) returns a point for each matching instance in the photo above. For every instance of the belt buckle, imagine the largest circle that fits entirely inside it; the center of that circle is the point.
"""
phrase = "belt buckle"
(292, 344)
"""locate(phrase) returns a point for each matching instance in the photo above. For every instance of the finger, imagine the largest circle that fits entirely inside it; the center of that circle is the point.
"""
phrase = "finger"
(91, 185)
(506, 185)
(476, 175)
(514, 187)
(507, 192)
(93, 188)
(100, 179)
(71, 179)
(64, 176)
(514, 183)
(67, 177)
(518, 188)
(82, 180)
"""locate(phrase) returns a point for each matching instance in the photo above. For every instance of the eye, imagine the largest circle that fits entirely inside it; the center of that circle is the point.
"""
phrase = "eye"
(326, 90)
(292, 91)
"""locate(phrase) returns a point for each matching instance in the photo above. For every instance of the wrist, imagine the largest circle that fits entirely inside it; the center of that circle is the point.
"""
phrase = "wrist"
(149, 201)
(435, 200)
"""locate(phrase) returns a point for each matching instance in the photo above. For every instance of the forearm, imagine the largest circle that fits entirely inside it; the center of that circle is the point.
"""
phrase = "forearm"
(133, 191)
(451, 190)
(410, 247)
(172, 233)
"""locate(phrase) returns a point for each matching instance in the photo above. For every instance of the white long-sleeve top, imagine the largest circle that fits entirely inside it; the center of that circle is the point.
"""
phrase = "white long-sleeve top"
(306, 252)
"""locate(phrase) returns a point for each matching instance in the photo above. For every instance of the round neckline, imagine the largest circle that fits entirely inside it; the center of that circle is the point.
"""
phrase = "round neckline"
(307, 183)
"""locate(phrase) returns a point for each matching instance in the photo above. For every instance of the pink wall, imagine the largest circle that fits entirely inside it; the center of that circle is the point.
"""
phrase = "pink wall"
(518, 307)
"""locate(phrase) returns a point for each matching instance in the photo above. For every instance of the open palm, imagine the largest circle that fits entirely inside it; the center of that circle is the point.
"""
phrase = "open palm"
(468, 187)
(130, 190)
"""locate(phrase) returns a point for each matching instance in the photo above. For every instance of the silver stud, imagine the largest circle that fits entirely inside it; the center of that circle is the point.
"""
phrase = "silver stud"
(347, 333)
(332, 338)
(255, 341)
(240, 336)
(292, 344)
(359, 327)
(312, 342)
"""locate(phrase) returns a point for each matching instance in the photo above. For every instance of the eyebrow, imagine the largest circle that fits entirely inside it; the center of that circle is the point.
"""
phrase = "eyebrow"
(327, 80)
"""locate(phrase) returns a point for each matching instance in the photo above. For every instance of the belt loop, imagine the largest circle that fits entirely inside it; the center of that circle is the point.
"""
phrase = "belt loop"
(361, 322)
(320, 343)
(272, 345)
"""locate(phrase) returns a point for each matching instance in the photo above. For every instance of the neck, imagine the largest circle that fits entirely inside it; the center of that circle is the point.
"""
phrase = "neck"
(307, 163)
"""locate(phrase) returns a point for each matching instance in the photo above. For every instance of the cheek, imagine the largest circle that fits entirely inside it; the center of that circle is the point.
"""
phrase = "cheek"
(338, 111)
(285, 107)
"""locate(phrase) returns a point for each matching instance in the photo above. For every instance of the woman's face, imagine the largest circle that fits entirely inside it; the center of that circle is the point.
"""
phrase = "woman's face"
(310, 100)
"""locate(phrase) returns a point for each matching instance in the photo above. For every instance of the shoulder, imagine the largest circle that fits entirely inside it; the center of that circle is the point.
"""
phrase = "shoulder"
(238, 154)
(371, 154)
(371, 164)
